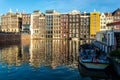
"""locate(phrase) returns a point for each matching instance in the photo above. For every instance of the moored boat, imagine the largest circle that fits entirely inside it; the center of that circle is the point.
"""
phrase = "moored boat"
(91, 58)
(92, 73)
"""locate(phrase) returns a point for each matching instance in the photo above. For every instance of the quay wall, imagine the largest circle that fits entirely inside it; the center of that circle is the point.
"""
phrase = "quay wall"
(4, 38)
(25, 36)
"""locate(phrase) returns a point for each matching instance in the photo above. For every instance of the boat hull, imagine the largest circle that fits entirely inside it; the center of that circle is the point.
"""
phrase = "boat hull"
(91, 73)
(115, 65)
(94, 66)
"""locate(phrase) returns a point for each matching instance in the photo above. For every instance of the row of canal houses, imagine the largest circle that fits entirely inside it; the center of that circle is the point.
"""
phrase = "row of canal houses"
(74, 25)
(109, 39)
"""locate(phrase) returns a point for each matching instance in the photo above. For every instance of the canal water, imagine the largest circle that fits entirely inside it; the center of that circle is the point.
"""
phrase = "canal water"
(46, 60)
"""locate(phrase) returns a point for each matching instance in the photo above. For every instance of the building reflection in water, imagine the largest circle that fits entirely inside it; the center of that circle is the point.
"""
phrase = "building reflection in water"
(15, 54)
(37, 52)
(9, 55)
(50, 53)
(59, 52)
(73, 52)
(53, 52)
(41, 52)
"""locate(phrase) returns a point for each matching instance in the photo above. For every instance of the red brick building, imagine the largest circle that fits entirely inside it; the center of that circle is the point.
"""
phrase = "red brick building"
(64, 25)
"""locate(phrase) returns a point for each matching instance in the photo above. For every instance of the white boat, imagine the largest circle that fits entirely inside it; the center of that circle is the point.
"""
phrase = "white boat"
(87, 58)
(97, 74)
(94, 65)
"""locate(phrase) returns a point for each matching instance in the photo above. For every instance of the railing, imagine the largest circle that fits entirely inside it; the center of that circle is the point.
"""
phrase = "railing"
(102, 46)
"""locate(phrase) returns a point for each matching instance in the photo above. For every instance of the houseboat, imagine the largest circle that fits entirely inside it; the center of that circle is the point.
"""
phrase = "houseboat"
(109, 41)
(91, 58)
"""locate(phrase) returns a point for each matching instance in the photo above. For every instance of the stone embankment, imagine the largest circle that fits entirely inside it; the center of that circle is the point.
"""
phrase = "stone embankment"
(7, 38)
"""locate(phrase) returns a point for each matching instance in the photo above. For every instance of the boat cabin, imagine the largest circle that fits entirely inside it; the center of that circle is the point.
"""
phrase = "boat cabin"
(107, 40)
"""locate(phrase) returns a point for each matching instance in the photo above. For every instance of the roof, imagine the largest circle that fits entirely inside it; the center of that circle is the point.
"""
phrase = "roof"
(74, 12)
(116, 11)
(85, 14)
(51, 11)
(108, 13)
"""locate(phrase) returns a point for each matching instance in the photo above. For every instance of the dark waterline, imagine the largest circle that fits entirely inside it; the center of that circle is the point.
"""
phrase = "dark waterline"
(44, 60)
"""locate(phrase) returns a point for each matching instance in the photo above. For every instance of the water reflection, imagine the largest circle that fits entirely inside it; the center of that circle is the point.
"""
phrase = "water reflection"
(38, 58)
(37, 52)
(58, 59)
(53, 53)
(42, 52)
(9, 55)
(15, 54)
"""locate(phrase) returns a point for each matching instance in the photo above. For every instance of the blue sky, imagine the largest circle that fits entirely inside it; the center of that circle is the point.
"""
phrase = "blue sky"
(60, 5)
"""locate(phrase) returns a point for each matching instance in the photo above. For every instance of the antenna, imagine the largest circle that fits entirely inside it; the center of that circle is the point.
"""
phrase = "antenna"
(23, 11)
(10, 10)
(16, 10)
(94, 10)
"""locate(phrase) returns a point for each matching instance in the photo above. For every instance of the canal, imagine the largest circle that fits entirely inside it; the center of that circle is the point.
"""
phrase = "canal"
(46, 60)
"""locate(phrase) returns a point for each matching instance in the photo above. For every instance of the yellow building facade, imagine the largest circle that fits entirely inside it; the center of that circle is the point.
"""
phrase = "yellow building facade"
(94, 23)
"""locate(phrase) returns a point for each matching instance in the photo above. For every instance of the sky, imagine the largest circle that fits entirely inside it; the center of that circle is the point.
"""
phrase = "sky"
(60, 5)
